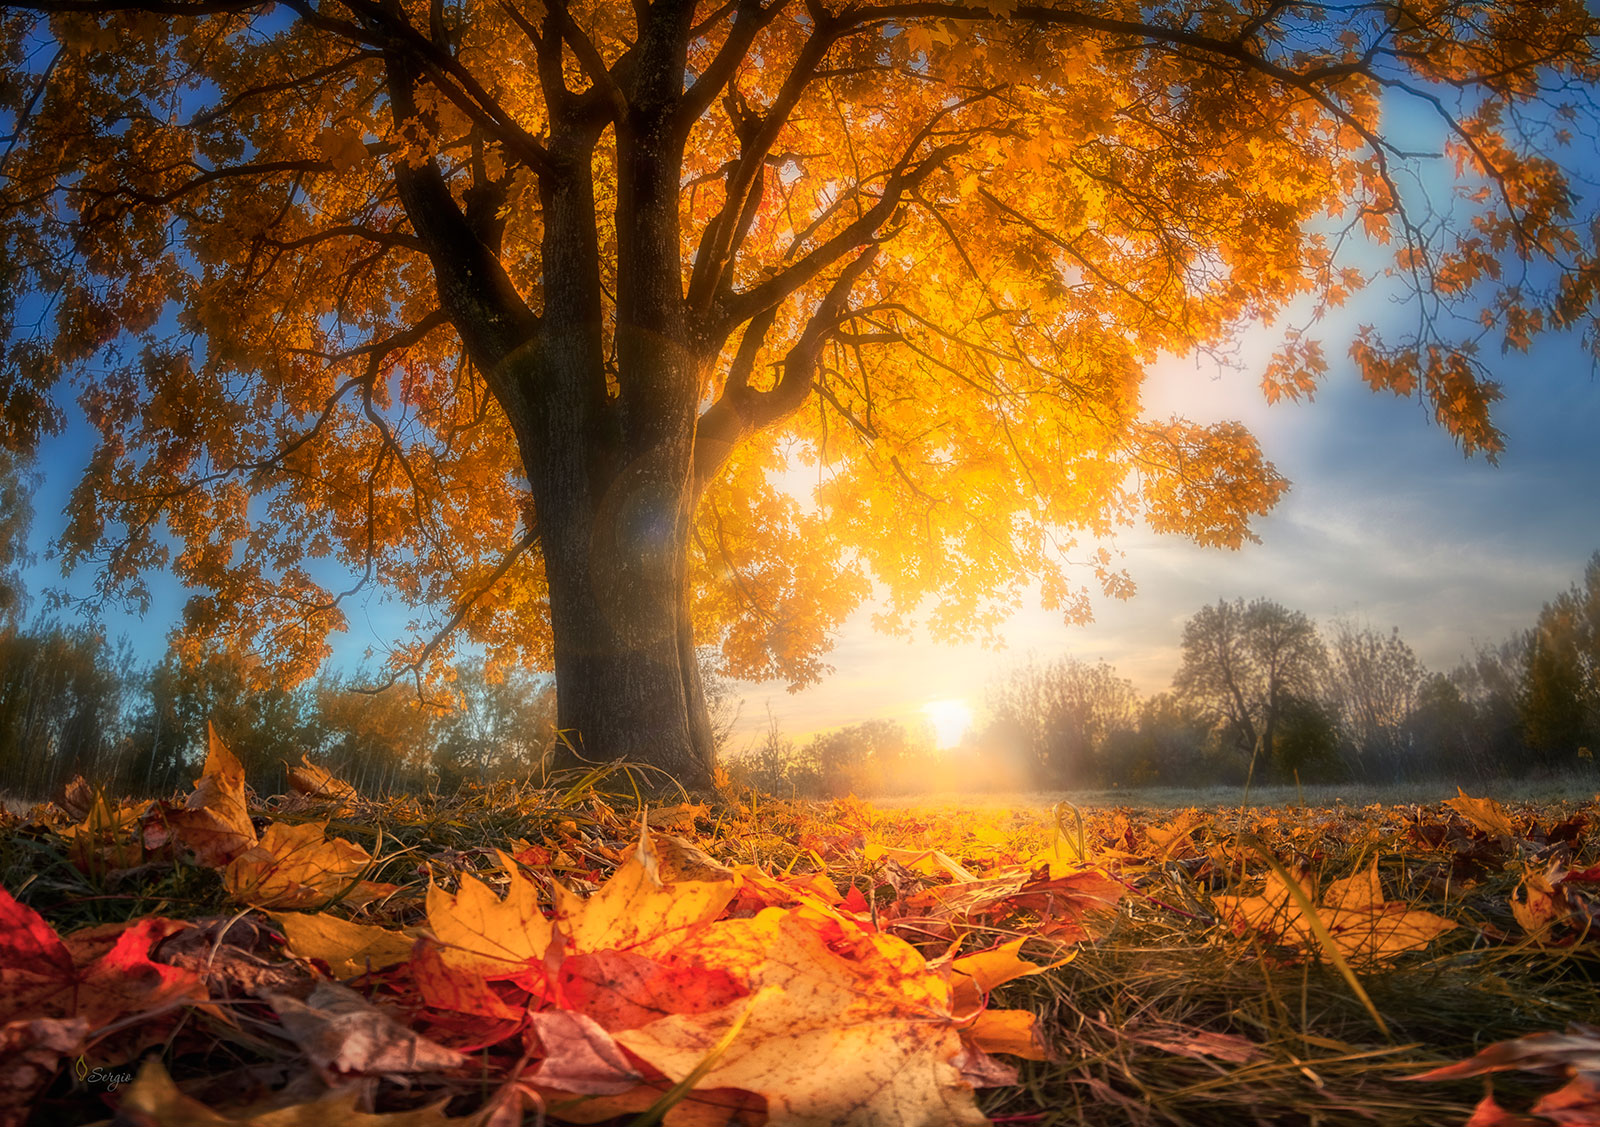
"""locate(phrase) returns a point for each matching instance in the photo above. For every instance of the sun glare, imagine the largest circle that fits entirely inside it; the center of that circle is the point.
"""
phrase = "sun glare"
(950, 720)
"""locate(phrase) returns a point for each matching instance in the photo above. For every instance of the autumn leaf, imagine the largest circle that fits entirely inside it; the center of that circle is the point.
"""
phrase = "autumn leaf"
(1574, 1054)
(340, 1031)
(842, 1026)
(349, 949)
(1484, 813)
(108, 837)
(485, 934)
(215, 823)
(100, 974)
(580, 1056)
(1362, 925)
(297, 866)
(153, 1098)
(313, 782)
(30, 1055)
(636, 905)
(974, 976)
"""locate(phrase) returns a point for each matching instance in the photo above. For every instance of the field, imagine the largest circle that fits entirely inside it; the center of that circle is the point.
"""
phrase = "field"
(506, 955)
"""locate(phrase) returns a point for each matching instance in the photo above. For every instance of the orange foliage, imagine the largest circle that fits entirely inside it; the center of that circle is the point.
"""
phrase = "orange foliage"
(912, 262)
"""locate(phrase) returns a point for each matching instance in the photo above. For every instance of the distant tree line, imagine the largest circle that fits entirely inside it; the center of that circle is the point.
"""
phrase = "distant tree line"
(1261, 694)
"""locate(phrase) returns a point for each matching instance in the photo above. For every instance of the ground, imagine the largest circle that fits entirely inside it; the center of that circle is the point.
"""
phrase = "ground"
(1186, 959)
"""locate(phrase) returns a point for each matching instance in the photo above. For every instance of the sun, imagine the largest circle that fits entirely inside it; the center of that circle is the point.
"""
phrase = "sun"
(950, 720)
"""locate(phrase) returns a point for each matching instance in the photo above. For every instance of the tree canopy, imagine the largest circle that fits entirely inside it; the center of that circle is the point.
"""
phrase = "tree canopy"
(525, 312)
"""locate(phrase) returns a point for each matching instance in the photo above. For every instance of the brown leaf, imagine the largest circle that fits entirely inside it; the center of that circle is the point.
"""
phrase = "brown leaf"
(580, 1057)
(313, 782)
(341, 1031)
(1575, 1051)
(30, 1055)
(215, 823)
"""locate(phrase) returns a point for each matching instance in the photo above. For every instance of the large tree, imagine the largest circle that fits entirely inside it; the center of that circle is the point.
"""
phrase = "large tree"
(511, 308)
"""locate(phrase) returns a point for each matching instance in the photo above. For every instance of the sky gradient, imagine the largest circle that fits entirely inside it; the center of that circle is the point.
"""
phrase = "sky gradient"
(1386, 522)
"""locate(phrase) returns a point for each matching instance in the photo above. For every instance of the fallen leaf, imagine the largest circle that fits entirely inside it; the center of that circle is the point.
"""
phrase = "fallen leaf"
(341, 1031)
(929, 862)
(840, 1028)
(1485, 813)
(299, 867)
(215, 823)
(973, 976)
(313, 782)
(1363, 926)
(349, 949)
(1575, 1051)
(30, 1056)
(100, 974)
(636, 905)
(580, 1057)
(482, 933)
(1015, 1032)
(153, 1099)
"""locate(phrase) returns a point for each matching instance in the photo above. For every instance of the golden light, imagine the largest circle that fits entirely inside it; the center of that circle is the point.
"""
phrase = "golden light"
(950, 720)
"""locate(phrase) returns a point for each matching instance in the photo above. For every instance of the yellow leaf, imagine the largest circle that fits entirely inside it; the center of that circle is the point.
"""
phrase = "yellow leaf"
(1006, 1031)
(636, 905)
(349, 949)
(498, 938)
(1485, 813)
(297, 867)
(975, 975)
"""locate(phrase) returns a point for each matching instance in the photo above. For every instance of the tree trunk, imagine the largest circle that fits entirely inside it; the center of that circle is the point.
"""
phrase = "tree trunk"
(614, 526)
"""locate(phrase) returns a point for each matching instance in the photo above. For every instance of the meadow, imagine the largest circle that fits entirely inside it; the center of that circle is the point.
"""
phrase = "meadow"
(521, 954)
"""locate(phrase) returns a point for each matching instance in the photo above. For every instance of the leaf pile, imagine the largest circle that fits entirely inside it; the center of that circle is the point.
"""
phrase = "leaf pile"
(531, 956)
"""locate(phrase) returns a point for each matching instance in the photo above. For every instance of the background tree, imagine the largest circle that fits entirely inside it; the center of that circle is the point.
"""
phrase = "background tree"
(499, 725)
(1061, 715)
(514, 309)
(1245, 665)
(1559, 699)
(1372, 686)
(16, 520)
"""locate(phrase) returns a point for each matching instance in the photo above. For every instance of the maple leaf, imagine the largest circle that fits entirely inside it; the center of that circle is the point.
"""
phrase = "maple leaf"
(482, 933)
(841, 1027)
(636, 905)
(215, 822)
(349, 949)
(342, 1032)
(100, 974)
(298, 867)
(153, 1098)
(1363, 926)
